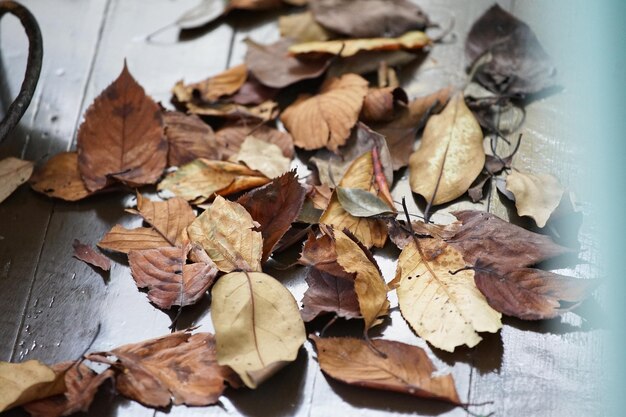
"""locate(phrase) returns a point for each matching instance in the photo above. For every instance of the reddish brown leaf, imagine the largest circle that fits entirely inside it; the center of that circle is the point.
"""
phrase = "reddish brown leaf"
(253, 92)
(179, 368)
(273, 67)
(401, 368)
(170, 281)
(320, 253)
(275, 206)
(223, 84)
(230, 138)
(89, 255)
(189, 138)
(329, 294)
(527, 293)
(382, 104)
(122, 137)
(120, 239)
(60, 178)
(170, 218)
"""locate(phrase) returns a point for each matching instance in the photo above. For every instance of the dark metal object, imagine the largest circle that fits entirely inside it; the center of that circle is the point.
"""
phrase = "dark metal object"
(33, 66)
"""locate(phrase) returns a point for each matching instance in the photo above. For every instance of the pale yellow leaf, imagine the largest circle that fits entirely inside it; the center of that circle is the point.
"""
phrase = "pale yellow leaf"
(536, 195)
(28, 381)
(13, 173)
(264, 157)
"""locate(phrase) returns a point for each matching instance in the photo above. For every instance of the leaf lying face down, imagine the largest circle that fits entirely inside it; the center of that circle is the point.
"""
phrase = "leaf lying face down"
(179, 368)
(122, 137)
(536, 195)
(224, 84)
(519, 65)
(369, 18)
(59, 177)
(263, 157)
(28, 381)
(445, 309)
(410, 41)
(404, 368)
(257, 326)
(87, 254)
(325, 120)
(189, 138)
(197, 181)
(450, 156)
(231, 137)
(13, 172)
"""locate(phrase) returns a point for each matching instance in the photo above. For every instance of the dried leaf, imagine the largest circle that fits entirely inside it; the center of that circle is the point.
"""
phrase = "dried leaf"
(320, 196)
(60, 178)
(273, 67)
(231, 137)
(325, 120)
(263, 157)
(382, 104)
(274, 207)
(199, 180)
(202, 14)
(257, 325)
(410, 41)
(120, 239)
(189, 138)
(13, 173)
(369, 18)
(362, 203)
(450, 156)
(400, 235)
(89, 255)
(369, 61)
(302, 27)
(321, 254)
(329, 294)
(445, 309)
(170, 218)
(179, 368)
(536, 195)
(252, 92)
(369, 285)
(28, 381)
(122, 137)
(403, 368)
(529, 294)
(170, 281)
(213, 88)
(226, 232)
(268, 110)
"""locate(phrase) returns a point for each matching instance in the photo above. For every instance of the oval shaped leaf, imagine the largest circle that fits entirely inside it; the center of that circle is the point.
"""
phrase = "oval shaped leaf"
(361, 203)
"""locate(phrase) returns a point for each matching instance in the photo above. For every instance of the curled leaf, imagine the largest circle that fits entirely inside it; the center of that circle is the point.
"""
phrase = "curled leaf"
(170, 218)
(224, 84)
(382, 104)
(536, 195)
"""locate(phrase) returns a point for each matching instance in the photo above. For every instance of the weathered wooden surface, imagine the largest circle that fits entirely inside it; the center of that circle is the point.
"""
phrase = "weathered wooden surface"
(53, 303)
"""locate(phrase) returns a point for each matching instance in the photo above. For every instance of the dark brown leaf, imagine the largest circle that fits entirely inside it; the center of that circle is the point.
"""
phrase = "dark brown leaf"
(275, 206)
(89, 255)
(170, 218)
(122, 137)
(189, 138)
(329, 294)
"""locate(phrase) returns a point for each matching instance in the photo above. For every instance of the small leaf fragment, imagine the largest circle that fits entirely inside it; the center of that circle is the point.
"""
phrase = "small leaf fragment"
(89, 255)
(223, 84)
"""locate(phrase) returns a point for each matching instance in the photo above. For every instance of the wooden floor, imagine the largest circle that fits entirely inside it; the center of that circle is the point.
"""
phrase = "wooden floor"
(51, 303)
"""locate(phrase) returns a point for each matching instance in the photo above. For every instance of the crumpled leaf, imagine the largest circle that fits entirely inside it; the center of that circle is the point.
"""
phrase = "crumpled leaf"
(362, 203)
(213, 88)
(273, 67)
(403, 368)
(274, 207)
(81, 386)
(321, 254)
(257, 326)
(89, 255)
(170, 218)
(302, 27)
(450, 156)
(120, 239)
(382, 104)
(263, 157)
(169, 279)
(179, 368)
(189, 138)
(59, 177)
(121, 137)
(226, 232)
(329, 294)
(231, 137)
(527, 293)
(28, 381)
(13, 173)
(199, 180)
(325, 120)
(536, 195)
(265, 111)
(445, 309)
(410, 41)
(369, 18)
(519, 65)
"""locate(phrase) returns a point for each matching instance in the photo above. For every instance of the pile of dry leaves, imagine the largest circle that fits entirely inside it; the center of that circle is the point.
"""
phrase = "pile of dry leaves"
(453, 281)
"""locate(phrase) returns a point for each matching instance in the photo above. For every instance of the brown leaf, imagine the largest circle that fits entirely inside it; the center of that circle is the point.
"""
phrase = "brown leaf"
(403, 368)
(368, 61)
(252, 92)
(410, 41)
(382, 104)
(507, 245)
(321, 254)
(302, 27)
(89, 255)
(230, 138)
(170, 218)
(189, 138)
(369, 18)
(529, 294)
(60, 178)
(329, 294)
(325, 120)
(13, 173)
(536, 195)
(123, 240)
(199, 180)
(320, 196)
(223, 84)
(170, 281)
(81, 385)
(27, 381)
(273, 67)
(274, 206)
(262, 156)
(122, 137)
(268, 110)
(400, 236)
(179, 368)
